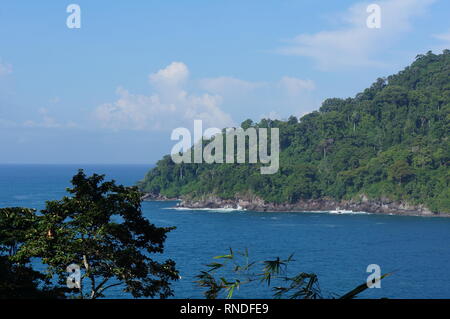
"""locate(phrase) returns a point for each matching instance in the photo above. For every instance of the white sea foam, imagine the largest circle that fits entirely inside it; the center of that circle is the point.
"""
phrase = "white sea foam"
(219, 210)
(336, 212)
(347, 212)
(240, 209)
(21, 197)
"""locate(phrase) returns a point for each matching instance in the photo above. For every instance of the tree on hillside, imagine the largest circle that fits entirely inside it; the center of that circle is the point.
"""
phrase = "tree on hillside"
(101, 230)
(400, 171)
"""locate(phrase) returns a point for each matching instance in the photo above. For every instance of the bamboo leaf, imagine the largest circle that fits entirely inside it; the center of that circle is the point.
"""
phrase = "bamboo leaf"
(353, 293)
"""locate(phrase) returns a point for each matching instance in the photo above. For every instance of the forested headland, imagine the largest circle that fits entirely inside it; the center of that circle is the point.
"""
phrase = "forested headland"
(389, 143)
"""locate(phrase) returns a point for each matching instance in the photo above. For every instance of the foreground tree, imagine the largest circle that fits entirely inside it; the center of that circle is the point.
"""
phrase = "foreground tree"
(17, 278)
(101, 232)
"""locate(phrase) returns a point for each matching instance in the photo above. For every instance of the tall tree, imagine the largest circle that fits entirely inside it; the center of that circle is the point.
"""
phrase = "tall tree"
(101, 229)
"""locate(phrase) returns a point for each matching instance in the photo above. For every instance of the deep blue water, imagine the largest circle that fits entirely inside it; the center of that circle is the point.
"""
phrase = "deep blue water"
(338, 248)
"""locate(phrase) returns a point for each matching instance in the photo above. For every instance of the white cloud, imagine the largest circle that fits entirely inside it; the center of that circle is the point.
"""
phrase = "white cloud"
(274, 99)
(171, 105)
(173, 75)
(47, 121)
(43, 121)
(444, 39)
(233, 86)
(272, 115)
(43, 110)
(168, 107)
(226, 85)
(356, 44)
(295, 86)
(5, 68)
(55, 100)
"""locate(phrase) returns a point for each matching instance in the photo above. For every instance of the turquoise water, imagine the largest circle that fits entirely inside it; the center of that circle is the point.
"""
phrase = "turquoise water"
(338, 248)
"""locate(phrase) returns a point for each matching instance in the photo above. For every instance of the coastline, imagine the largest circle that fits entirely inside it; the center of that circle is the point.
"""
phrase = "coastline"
(150, 197)
(363, 204)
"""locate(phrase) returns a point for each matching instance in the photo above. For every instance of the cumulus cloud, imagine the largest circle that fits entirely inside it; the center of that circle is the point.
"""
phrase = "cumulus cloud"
(171, 105)
(356, 44)
(274, 99)
(173, 75)
(168, 107)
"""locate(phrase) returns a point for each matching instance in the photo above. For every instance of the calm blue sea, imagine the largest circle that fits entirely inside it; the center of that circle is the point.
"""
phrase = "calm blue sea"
(338, 248)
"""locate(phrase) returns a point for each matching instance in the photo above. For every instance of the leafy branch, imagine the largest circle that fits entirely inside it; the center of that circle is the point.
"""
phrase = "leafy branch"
(300, 286)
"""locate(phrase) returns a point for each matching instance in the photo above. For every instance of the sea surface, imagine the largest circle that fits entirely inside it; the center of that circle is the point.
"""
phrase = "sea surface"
(338, 248)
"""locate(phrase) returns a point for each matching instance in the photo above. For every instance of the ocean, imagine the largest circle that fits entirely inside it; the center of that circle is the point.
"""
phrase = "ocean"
(338, 248)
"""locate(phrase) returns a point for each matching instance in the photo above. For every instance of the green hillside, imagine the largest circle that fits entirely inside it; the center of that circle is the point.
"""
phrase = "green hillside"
(389, 141)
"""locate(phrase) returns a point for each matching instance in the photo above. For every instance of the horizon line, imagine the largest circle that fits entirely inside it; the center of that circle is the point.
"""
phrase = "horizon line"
(9, 163)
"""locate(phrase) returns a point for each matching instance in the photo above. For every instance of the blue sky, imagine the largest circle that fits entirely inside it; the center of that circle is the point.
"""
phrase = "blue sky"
(113, 90)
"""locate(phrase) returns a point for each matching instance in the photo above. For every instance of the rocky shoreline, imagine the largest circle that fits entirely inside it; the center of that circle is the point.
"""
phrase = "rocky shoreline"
(362, 204)
(157, 198)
